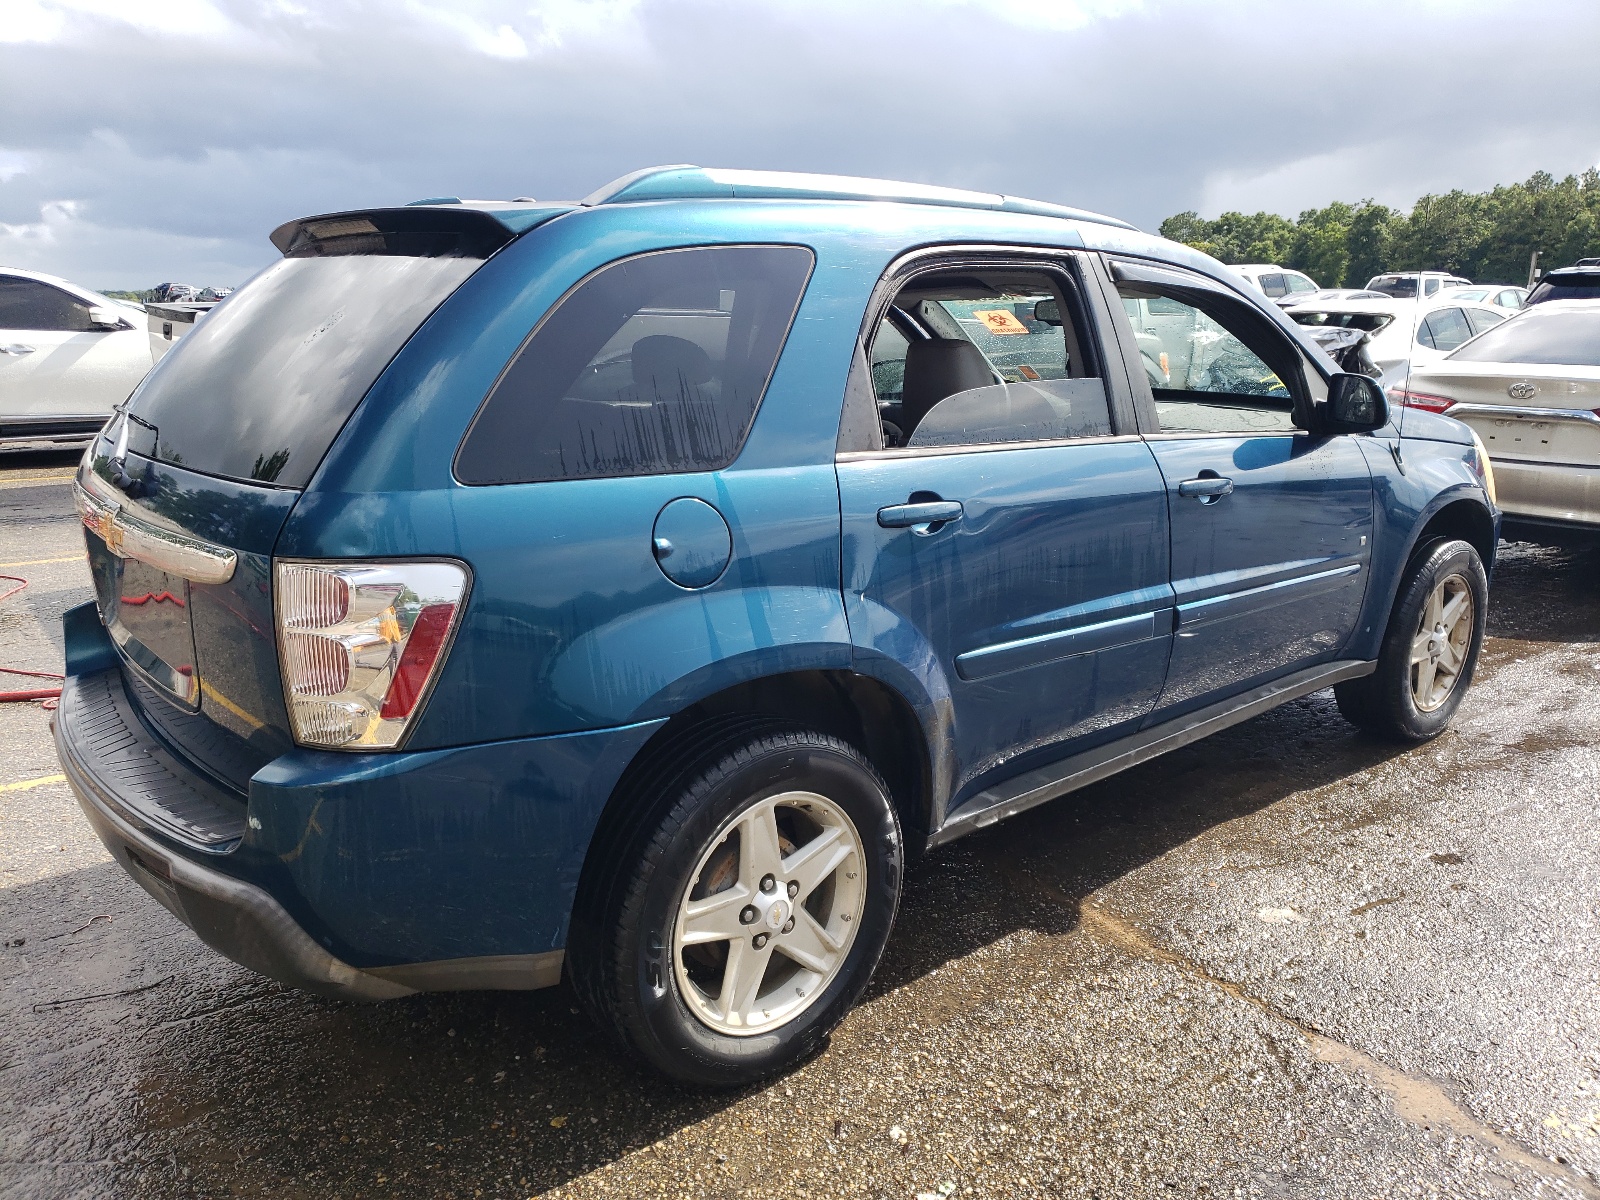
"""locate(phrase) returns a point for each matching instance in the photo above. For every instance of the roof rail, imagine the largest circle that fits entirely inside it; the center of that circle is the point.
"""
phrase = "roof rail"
(687, 182)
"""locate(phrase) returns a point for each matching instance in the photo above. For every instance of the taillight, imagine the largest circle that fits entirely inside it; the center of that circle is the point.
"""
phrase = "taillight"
(1423, 400)
(360, 644)
(1484, 467)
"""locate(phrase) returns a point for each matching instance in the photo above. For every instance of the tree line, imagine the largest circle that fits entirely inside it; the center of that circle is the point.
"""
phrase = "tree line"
(1486, 236)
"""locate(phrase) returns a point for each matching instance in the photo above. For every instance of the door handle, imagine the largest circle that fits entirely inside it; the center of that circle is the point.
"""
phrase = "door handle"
(928, 512)
(1208, 489)
(16, 350)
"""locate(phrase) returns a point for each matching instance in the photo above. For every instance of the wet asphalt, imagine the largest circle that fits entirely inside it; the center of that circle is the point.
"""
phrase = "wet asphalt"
(1288, 961)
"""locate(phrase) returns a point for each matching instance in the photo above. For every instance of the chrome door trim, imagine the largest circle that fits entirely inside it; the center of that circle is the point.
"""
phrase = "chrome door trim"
(845, 456)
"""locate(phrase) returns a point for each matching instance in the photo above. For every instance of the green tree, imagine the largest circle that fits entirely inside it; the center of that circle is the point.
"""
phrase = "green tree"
(1322, 244)
(1482, 235)
(1369, 241)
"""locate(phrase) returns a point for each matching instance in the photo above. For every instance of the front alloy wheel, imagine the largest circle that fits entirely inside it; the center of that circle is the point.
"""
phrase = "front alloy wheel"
(1439, 649)
(1429, 649)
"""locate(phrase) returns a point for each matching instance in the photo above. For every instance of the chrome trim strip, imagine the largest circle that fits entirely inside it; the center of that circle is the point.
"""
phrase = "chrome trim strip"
(1268, 595)
(940, 451)
(989, 661)
(1179, 435)
(1538, 414)
(126, 536)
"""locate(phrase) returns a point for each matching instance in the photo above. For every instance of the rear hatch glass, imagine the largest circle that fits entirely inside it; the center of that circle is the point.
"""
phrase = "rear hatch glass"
(214, 444)
(266, 380)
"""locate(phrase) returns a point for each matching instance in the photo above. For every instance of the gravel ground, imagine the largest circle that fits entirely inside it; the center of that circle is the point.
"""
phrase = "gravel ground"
(1284, 962)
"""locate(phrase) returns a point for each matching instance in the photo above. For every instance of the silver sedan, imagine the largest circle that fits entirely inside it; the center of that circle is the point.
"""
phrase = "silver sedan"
(1530, 388)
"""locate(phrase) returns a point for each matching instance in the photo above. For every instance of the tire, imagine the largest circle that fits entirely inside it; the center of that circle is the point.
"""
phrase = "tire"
(1409, 701)
(763, 805)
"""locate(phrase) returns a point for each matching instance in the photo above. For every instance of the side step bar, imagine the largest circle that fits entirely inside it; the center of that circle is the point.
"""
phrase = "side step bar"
(1024, 791)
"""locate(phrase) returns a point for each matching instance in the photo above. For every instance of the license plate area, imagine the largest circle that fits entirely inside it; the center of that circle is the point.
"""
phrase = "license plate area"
(146, 612)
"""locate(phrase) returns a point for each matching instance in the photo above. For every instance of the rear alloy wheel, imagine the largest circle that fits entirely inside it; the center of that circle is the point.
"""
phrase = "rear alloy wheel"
(1429, 650)
(744, 916)
(770, 914)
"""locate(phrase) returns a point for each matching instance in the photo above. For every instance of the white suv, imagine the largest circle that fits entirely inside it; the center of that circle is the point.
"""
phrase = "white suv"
(1408, 285)
(68, 356)
(1275, 281)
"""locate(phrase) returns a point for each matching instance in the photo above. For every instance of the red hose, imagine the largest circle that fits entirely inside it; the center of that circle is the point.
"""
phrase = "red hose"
(48, 695)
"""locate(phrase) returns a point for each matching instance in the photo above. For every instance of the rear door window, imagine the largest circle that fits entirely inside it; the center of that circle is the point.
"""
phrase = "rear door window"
(1444, 329)
(1002, 358)
(1274, 285)
(653, 365)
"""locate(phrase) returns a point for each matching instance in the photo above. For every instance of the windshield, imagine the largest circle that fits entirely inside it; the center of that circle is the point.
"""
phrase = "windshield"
(266, 380)
(1566, 339)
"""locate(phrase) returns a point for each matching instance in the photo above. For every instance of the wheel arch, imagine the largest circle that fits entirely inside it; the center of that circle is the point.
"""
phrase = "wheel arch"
(1459, 513)
(1466, 518)
(859, 709)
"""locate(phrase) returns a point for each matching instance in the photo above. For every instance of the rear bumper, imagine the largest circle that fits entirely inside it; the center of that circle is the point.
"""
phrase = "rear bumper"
(1532, 492)
(237, 919)
(354, 876)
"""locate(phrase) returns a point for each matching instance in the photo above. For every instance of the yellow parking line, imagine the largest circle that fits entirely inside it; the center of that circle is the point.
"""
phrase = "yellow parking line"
(35, 481)
(211, 691)
(39, 562)
(32, 783)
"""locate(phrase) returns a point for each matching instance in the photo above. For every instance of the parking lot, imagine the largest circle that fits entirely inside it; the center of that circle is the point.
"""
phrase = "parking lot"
(1284, 961)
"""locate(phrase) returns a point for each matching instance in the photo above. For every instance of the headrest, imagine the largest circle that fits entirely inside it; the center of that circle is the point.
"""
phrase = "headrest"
(664, 362)
(936, 369)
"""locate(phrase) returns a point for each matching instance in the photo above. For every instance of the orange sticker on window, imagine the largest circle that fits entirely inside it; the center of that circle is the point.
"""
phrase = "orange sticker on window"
(1000, 320)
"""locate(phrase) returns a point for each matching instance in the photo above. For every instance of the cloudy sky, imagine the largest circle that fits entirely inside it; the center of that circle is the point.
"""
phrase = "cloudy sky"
(143, 140)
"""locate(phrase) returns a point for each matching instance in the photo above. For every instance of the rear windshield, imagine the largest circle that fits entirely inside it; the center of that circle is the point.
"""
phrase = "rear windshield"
(1370, 322)
(264, 382)
(1580, 285)
(1394, 285)
(1565, 339)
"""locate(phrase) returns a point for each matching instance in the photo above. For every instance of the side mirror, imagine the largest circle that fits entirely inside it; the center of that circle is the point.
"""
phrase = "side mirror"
(1356, 404)
(106, 319)
(1047, 312)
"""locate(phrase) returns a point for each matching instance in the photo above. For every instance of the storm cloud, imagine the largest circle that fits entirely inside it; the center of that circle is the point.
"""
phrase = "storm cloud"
(142, 140)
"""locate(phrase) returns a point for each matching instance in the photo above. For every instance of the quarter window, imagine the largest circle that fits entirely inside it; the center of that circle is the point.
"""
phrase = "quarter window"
(31, 305)
(653, 365)
(1203, 371)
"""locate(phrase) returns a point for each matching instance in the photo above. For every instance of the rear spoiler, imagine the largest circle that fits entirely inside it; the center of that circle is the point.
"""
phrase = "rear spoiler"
(430, 231)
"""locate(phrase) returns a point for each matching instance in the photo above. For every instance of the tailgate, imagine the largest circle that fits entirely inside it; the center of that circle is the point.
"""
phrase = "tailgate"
(182, 574)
